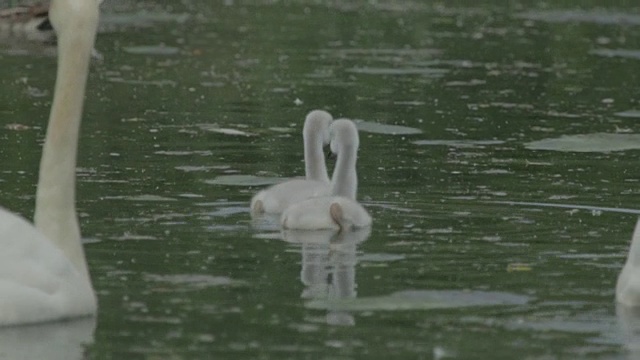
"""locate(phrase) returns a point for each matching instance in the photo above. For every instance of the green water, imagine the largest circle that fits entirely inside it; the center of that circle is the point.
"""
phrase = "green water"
(465, 260)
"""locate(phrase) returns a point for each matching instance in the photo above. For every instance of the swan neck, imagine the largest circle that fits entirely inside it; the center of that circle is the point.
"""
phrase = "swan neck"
(345, 179)
(315, 167)
(55, 212)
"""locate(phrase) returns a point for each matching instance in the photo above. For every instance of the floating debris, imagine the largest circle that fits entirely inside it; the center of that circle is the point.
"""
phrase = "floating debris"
(597, 142)
(459, 143)
(378, 128)
(244, 180)
(421, 300)
(151, 50)
(513, 267)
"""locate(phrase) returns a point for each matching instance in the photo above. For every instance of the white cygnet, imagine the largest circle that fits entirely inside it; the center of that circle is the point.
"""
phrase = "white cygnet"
(340, 210)
(628, 286)
(316, 182)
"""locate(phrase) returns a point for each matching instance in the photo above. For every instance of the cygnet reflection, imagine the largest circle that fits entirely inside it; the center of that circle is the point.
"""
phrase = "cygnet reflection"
(60, 340)
(329, 260)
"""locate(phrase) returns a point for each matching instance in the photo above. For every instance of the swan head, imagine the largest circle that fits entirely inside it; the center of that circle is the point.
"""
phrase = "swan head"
(74, 16)
(318, 122)
(344, 134)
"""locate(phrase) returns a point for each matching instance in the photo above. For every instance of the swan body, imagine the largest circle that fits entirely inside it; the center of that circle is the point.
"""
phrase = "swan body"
(27, 22)
(340, 210)
(628, 285)
(43, 271)
(280, 196)
(62, 340)
(326, 213)
(316, 182)
(37, 281)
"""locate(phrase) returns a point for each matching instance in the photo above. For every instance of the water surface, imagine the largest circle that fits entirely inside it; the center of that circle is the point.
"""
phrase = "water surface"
(485, 244)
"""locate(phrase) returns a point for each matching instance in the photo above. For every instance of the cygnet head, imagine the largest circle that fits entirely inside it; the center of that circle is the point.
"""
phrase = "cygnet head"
(318, 122)
(344, 134)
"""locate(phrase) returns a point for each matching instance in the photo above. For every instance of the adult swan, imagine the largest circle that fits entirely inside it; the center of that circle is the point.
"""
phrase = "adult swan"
(43, 271)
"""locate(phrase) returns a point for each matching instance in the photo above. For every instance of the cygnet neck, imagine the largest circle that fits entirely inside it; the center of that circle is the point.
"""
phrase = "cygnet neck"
(314, 137)
(345, 178)
(345, 141)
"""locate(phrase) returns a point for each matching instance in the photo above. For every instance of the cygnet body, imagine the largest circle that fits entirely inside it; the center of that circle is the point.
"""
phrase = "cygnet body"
(628, 286)
(277, 198)
(340, 210)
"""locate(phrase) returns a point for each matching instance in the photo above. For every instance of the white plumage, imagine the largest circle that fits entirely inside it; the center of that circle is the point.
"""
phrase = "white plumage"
(340, 210)
(628, 286)
(43, 271)
(316, 182)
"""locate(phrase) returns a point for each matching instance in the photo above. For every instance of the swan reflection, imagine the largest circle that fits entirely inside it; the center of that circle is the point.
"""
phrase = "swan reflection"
(629, 325)
(61, 340)
(329, 261)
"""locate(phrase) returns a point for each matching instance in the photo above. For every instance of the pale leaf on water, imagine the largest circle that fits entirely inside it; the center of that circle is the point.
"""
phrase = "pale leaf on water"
(378, 128)
(421, 300)
(459, 143)
(244, 180)
(597, 142)
(622, 53)
(226, 131)
(151, 50)
(146, 197)
(629, 114)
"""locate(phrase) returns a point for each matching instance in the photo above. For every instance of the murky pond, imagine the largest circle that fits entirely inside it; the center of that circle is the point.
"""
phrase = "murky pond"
(498, 158)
